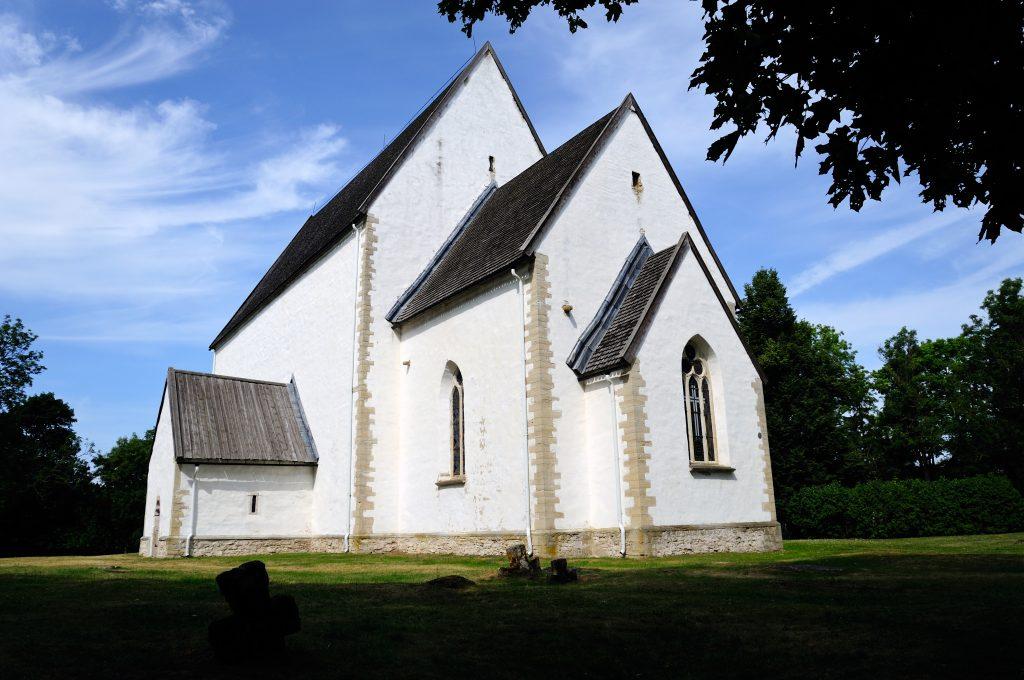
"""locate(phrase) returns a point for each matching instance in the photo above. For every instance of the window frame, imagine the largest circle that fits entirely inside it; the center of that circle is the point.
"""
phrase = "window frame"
(456, 428)
(710, 444)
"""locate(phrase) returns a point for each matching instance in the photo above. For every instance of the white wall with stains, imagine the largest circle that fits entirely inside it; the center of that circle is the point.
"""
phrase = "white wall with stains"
(689, 308)
(437, 184)
(481, 336)
(284, 496)
(306, 333)
(587, 244)
(160, 478)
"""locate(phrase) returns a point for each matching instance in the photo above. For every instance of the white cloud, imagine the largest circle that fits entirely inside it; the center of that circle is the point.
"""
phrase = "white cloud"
(127, 211)
(651, 51)
(933, 312)
(856, 253)
(172, 38)
(21, 48)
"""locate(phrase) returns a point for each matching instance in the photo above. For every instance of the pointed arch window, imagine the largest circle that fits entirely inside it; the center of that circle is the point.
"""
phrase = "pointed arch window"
(700, 421)
(457, 427)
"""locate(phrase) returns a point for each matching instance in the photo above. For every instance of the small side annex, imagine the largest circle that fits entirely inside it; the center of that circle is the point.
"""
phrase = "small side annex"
(232, 469)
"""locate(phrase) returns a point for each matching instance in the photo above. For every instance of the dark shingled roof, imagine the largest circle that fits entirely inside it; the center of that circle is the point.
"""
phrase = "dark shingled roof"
(633, 312)
(348, 206)
(499, 234)
(611, 350)
(219, 419)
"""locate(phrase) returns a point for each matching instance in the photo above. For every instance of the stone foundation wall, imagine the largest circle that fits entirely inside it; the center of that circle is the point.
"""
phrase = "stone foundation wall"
(166, 546)
(656, 541)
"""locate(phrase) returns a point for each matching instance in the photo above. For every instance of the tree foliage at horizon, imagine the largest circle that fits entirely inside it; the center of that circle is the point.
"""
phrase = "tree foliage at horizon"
(955, 405)
(122, 473)
(50, 499)
(817, 397)
(882, 90)
(18, 361)
(949, 407)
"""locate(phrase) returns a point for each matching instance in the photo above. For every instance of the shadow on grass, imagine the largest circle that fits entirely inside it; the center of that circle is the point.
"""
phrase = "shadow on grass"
(856, 616)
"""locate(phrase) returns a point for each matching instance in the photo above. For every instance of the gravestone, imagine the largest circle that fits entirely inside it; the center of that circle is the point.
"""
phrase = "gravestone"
(520, 563)
(561, 573)
(258, 623)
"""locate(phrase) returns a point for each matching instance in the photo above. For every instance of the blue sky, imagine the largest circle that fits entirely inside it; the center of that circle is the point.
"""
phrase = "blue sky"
(155, 156)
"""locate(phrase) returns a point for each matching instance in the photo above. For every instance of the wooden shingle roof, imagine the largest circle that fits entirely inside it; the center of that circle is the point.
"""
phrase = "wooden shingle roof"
(610, 342)
(226, 420)
(619, 336)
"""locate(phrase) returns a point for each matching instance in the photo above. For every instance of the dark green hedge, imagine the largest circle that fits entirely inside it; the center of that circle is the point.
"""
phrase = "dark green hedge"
(907, 507)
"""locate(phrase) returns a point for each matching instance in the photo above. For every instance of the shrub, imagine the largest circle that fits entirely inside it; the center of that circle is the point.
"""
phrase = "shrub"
(988, 504)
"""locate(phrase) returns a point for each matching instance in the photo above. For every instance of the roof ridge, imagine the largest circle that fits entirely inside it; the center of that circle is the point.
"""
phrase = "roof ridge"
(175, 371)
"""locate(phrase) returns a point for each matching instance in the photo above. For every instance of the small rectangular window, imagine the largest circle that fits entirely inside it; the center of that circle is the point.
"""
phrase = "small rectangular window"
(253, 504)
(490, 164)
(636, 180)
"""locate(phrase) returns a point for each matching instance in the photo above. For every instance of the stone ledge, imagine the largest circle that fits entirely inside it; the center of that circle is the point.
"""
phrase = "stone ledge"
(710, 467)
(654, 541)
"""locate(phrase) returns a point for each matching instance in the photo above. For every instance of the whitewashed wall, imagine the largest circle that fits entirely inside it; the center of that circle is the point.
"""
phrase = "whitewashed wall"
(434, 188)
(690, 308)
(483, 337)
(284, 500)
(306, 332)
(587, 245)
(160, 478)
(597, 456)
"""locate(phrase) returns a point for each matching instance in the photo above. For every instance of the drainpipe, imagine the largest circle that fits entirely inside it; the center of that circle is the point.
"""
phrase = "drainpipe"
(618, 464)
(352, 394)
(194, 514)
(526, 418)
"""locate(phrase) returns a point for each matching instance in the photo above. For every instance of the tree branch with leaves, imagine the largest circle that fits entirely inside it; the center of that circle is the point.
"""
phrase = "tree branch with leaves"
(881, 90)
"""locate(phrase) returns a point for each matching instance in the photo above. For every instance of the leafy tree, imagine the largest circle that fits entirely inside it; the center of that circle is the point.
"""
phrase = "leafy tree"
(18, 361)
(911, 424)
(955, 406)
(517, 11)
(816, 394)
(883, 90)
(958, 396)
(46, 492)
(122, 473)
(996, 362)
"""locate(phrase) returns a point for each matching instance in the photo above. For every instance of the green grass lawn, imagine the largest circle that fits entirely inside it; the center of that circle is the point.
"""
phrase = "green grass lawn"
(920, 608)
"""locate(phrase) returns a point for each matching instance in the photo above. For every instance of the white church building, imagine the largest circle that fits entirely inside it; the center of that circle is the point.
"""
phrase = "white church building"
(478, 342)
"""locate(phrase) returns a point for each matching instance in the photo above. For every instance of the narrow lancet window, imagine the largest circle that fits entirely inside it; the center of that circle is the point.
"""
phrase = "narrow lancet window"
(700, 423)
(458, 428)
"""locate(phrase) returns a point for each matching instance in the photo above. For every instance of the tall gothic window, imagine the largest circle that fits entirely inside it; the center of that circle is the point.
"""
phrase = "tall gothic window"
(458, 427)
(700, 421)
